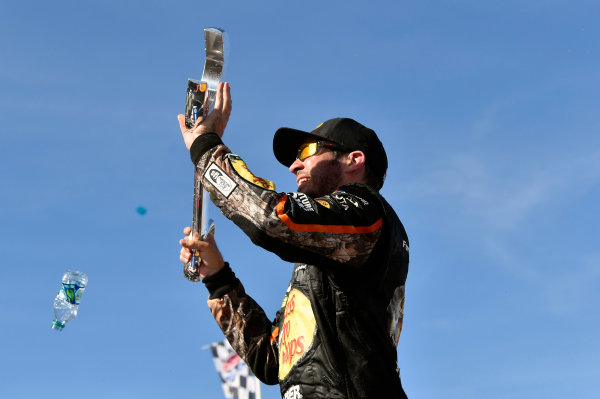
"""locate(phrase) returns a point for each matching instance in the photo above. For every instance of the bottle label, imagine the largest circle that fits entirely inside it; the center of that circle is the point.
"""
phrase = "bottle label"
(73, 293)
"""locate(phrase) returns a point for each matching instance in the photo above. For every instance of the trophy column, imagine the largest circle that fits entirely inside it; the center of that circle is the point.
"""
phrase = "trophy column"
(199, 100)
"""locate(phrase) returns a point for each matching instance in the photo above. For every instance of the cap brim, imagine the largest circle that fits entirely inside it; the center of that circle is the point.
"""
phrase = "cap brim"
(286, 143)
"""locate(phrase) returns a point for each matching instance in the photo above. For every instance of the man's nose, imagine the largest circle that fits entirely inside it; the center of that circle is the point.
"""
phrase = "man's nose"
(296, 166)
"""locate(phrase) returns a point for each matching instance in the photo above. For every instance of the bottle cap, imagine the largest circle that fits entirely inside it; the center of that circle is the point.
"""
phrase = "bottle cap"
(58, 326)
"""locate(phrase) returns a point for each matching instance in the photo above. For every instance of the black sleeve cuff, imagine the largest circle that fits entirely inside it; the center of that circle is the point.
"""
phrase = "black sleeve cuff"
(221, 282)
(203, 143)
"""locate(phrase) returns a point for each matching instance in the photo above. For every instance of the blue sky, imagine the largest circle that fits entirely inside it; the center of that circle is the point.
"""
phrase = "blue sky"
(488, 111)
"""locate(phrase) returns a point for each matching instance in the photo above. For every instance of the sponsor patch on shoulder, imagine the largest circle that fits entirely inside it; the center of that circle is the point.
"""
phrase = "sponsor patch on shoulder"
(324, 203)
(219, 179)
(345, 200)
(242, 169)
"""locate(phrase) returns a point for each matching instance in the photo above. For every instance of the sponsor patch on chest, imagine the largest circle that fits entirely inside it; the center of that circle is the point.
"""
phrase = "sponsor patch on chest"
(293, 393)
(302, 201)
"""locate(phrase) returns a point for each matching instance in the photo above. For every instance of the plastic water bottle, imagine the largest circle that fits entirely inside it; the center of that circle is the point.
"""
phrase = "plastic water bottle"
(67, 301)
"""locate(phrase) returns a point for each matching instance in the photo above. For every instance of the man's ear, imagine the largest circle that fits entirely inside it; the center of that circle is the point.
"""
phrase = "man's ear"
(356, 160)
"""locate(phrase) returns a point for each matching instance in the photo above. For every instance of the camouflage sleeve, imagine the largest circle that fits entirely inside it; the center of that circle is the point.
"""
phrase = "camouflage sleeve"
(249, 332)
(340, 228)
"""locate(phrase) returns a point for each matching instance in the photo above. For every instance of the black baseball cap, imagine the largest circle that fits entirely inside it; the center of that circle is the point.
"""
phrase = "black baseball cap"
(345, 132)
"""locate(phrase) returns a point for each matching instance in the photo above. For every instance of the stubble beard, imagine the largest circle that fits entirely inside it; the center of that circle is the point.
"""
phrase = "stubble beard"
(325, 178)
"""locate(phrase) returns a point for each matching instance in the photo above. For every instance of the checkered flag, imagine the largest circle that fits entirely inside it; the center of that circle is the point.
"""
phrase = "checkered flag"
(237, 379)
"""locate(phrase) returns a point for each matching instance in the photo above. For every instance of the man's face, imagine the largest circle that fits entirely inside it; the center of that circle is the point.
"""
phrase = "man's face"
(319, 174)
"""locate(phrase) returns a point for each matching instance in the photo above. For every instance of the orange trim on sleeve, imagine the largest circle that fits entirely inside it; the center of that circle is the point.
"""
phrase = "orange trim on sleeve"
(322, 228)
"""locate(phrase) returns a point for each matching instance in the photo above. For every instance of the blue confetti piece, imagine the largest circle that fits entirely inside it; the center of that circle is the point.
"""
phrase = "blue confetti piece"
(141, 210)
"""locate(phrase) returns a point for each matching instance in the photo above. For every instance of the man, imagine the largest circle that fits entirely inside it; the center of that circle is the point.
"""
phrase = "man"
(337, 331)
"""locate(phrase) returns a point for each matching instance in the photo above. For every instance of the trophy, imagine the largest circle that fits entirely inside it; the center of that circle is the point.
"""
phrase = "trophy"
(199, 100)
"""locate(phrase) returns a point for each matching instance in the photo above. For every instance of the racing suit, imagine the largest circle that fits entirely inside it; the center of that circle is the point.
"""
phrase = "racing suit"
(338, 328)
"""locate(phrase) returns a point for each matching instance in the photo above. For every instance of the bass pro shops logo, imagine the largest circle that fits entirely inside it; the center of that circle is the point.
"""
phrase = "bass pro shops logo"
(297, 333)
(242, 170)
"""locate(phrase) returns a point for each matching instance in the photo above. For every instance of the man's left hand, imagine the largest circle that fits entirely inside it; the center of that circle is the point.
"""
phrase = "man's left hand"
(212, 260)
